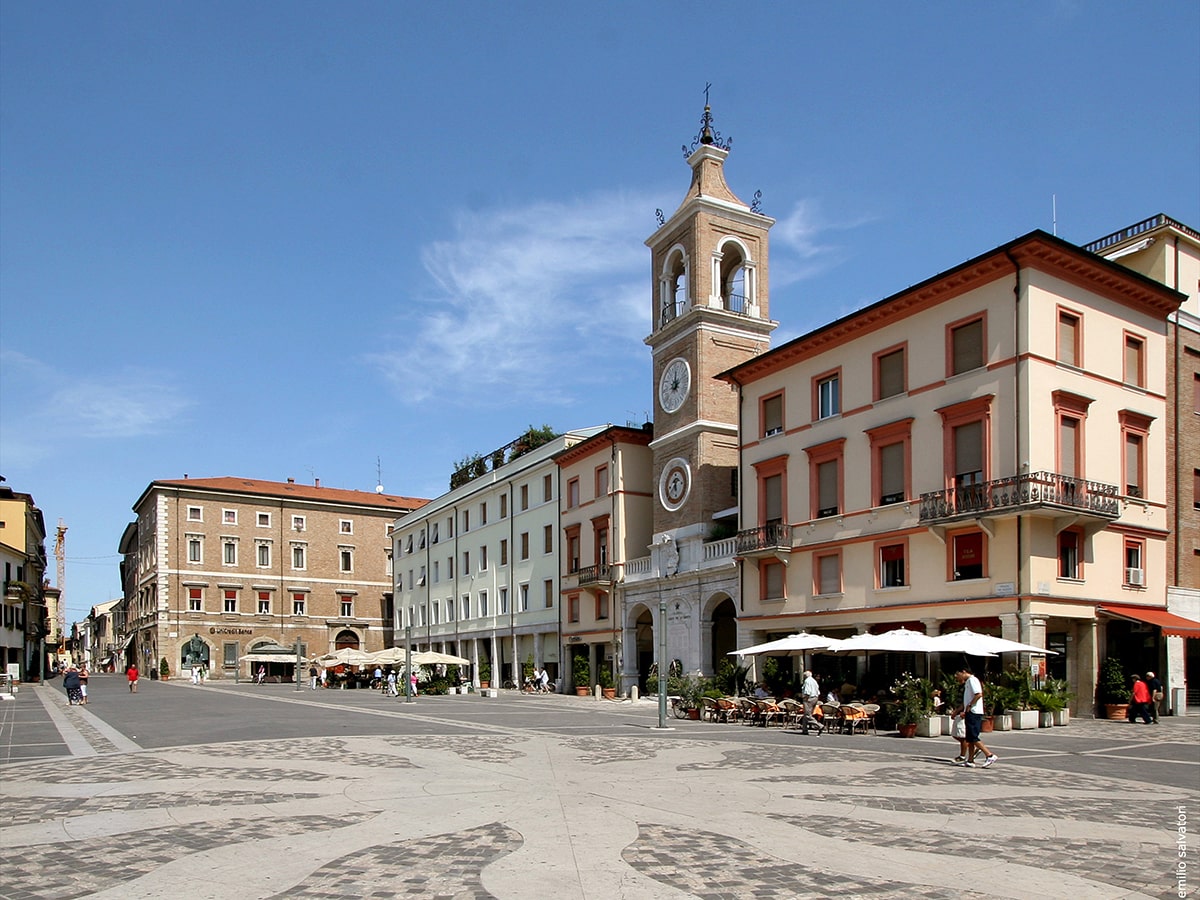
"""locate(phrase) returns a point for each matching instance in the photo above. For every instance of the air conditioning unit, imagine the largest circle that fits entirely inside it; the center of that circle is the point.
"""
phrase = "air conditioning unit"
(1135, 577)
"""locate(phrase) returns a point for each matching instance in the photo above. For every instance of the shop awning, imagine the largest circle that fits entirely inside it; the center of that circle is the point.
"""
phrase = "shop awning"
(1171, 624)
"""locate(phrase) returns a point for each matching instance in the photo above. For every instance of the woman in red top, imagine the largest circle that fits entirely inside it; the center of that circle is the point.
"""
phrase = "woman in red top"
(1141, 700)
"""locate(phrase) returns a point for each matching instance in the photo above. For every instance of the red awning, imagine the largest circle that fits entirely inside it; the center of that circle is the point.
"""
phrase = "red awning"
(1171, 624)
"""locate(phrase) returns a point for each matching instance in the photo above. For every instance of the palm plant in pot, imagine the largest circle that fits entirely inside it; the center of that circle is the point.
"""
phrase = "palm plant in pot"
(913, 703)
(1115, 693)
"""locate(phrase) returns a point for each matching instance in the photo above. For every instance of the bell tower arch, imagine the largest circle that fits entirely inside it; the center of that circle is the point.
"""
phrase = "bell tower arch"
(709, 312)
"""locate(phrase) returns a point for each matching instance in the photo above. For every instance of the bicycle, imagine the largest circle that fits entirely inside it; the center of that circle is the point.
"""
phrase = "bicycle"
(679, 707)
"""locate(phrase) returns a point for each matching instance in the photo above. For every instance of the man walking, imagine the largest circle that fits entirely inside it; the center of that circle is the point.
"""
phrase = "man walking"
(810, 693)
(1152, 682)
(972, 713)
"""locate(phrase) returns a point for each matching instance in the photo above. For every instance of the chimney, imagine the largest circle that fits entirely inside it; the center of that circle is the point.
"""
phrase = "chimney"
(316, 482)
(291, 481)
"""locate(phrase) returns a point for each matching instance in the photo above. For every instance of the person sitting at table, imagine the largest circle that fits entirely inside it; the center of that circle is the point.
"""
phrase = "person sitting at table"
(760, 692)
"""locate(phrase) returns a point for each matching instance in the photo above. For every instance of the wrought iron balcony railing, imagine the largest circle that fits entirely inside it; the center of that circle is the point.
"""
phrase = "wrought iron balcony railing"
(599, 574)
(1019, 492)
(764, 538)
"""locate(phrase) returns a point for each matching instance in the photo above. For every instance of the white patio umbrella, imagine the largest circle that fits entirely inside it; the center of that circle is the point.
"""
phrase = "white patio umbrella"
(898, 640)
(389, 655)
(434, 658)
(974, 644)
(347, 656)
(793, 645)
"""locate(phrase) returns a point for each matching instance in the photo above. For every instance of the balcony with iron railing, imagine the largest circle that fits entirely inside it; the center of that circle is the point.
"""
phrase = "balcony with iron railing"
(764, 540)
(600, 574)
(1046, 491)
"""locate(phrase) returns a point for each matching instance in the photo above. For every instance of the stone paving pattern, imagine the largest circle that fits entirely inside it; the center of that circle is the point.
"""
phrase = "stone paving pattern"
(704, 811)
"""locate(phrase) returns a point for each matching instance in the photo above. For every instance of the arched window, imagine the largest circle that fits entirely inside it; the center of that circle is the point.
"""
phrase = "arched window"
(733, 278)
(675, 293)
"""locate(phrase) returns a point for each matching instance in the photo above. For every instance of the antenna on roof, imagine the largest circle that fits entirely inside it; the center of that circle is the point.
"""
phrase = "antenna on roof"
(1054, 214)
(378, 476)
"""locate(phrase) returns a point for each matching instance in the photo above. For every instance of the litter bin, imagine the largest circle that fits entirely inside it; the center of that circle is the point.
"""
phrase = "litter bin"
(1178, 702)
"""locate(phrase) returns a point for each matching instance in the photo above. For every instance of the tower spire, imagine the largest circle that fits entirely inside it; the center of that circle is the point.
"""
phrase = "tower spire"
(708, 135)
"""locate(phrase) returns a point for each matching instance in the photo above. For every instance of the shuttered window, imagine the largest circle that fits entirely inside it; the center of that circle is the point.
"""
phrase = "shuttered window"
(827, 488)
(967, 347)
(1068, 339)
(891, 374)
(968, 454)
(891, 474)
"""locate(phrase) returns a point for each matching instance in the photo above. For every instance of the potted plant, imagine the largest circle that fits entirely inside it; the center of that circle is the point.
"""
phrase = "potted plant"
(1058, 687)
(164, 669)
(581, 671)
(1046, 704)
(913, 703)
(1114, 691)
(605, 678)
(1019, 703)
(485, 674)
(996, 699)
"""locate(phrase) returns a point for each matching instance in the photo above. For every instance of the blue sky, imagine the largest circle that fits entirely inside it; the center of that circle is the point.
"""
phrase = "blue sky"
(291, 239)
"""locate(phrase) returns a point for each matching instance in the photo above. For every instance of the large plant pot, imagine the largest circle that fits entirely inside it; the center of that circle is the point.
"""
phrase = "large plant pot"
(609, 693)
(1062, 717)
(907, 729)
(998, 722)
(929, 726)
(694, 714)
(582, 691)
(1045, 720)
(1024, 719)
(1116, 710)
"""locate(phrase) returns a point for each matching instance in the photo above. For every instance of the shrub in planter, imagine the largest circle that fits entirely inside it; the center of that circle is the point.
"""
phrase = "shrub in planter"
(1114, 689)
(485, 673)
(913, 701)
(581, 672)
(164, 669)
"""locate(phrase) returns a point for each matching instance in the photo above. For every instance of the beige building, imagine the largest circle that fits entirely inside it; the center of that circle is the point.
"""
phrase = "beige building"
(986, 449)
(217, 567)
(606, 509)
(1169, 252)
(28, 633)
(477, 569)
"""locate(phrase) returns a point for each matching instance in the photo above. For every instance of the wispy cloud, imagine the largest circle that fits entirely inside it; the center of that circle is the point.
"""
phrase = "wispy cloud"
(803, 243)
(527, 300)
(43, 401)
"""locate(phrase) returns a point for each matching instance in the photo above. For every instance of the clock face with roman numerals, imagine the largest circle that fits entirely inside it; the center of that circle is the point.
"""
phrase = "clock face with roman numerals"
(674, 384)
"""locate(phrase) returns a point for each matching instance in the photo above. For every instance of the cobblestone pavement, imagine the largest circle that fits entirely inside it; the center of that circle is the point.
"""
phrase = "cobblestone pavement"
(569, 799)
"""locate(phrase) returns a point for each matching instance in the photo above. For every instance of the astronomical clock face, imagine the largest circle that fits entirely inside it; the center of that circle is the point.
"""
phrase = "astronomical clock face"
(674, 384)
(675, 484)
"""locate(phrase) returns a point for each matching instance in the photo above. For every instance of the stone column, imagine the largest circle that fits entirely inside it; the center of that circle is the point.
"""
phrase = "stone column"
(1084, 668)
(475, 662)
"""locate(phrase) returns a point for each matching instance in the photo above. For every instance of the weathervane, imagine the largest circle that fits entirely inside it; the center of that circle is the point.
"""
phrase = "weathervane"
(708, 134)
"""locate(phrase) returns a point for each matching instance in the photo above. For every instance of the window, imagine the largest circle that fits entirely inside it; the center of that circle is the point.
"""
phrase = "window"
(771, 581)
(968, 459)
(602, 481)
(346, 559)
(504, 551)
(436, 572)
(827, 574)
(483, 513)
(601, 605)
(1070, 347)
(600, 540)
(891, 565)
(572, 493)
(1135, 360)
(1070, 542)
(572, 607)
(298, 524)
(263, 554)
(825, 478)
(229, 517)
(345, 526)
(772, 490)
(347, 604)
(1135, 570)
(435, 611)
(450, 609)
(264, 603)
(263, 520)
(195, 548)
(449, 566)
(483, 604)
(434, 533)
(421, 577)
(969, 560)
(195, 514)
(466, 606)
(548, 539)
(572, 541)
(891, 461)
(229, 552)
(1069, 446)
(547, 488)
(504, 506)
(503, 601)
(466, 563)
(523, 596)
(891, 473)
(483, 560)
(1135, 431)
(195, 599)
(548, 592)
(524, 497)
(466, 521)
(230, 653)
(966, 343)
(827, 400)
(771, 415)
(298, 602)
(890, 377)
(450, 527)
(1196, 488)
(299, 556)
(231, 598)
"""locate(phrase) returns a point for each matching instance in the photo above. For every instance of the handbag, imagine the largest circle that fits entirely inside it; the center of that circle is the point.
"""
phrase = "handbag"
(958, 730)
(1158, 695)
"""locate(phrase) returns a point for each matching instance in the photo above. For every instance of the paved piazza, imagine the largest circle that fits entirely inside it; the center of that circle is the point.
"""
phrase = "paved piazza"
(240, 791)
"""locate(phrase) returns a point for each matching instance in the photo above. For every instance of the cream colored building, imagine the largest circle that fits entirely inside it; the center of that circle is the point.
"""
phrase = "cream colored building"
(28, 633)
(606, 509)
(477, 569)
(220, 566)
(986, 449)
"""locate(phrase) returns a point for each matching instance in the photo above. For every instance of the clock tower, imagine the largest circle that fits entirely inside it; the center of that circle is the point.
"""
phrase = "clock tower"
(709, 312)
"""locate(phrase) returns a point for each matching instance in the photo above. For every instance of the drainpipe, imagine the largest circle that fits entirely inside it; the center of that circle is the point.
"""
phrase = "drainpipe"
(1177, 350)
(1017, 419)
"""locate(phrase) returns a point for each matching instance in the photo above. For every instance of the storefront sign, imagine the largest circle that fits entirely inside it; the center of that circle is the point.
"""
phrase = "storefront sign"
(231, 631)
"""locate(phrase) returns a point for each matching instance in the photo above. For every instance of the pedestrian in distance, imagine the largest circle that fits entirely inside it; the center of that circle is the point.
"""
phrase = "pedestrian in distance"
(1140, 706)
(83, 683)
(71, 686)
(1155, 686)
(262, 674)
(131, 674)
(972, 713)
(312, 676)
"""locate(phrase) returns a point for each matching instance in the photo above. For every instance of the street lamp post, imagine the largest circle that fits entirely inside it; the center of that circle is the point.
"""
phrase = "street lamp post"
(662, 664)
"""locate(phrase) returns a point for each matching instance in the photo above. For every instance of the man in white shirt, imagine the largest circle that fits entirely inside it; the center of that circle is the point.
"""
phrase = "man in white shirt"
(810, 693)
(972, 713)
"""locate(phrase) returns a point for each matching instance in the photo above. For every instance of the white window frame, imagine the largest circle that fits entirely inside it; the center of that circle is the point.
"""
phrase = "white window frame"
(262, 519)
(345, 526)
(345, 559)
(199, 513)
(259, 547)
(229, 516)
(228, 543)
(302, 549)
